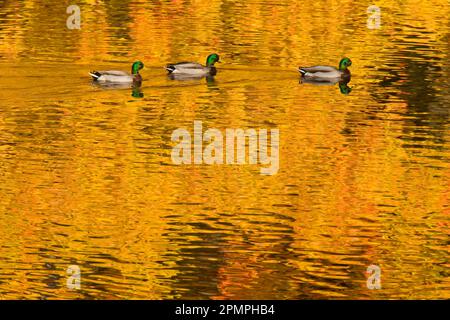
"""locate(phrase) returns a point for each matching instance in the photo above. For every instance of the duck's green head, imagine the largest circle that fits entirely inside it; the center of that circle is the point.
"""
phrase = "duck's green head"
(344, 64)
(138, 65)
(212, 58)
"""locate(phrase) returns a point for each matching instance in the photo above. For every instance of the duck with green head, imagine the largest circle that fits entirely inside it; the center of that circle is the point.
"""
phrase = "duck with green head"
(119, 77)
(194, 69)
(327, 73)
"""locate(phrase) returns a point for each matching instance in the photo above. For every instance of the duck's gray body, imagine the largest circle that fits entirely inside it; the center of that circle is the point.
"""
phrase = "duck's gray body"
(119, 77)
(323, 73)
(190, 69)
(112, 76)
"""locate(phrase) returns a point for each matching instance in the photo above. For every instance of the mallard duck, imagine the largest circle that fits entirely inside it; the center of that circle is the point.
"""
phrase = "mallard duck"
(122, 77)
(194, 69)
(327, 73)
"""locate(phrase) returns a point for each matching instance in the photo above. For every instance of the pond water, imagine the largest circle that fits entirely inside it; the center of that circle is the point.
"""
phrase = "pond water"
(87, 177)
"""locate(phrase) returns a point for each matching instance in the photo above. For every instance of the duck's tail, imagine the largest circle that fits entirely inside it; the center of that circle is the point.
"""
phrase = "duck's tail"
(170, 68)
(303, 72)
(95, 75)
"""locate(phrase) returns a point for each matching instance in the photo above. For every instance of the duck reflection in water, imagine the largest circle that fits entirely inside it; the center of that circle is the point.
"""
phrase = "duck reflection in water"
(209, 78)
(343, 87)
(136, 89)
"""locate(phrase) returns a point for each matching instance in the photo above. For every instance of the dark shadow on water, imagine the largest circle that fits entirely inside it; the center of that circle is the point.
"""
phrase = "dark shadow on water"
(412, 76)
(119, 19)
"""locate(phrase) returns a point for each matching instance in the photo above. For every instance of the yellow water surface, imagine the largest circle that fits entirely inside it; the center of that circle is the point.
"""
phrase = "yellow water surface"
(86, 176)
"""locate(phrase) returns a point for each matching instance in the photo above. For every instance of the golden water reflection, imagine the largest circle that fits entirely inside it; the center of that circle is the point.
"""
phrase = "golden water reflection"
(87, 177)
